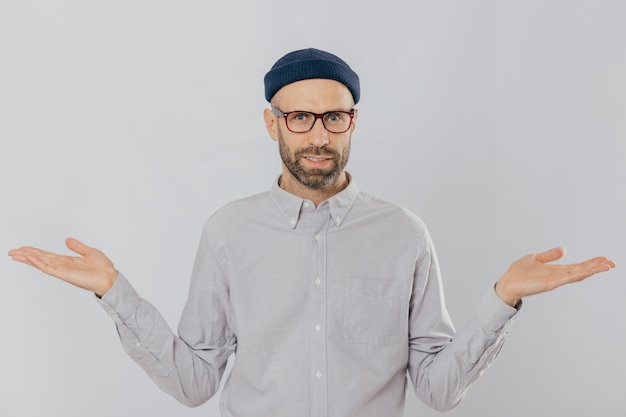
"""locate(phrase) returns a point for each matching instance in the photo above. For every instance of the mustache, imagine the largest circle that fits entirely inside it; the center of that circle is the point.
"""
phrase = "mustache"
(315, 151)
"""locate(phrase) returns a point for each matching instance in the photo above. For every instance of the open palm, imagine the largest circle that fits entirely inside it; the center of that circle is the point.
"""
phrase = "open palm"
(532, 274)
(92, 270)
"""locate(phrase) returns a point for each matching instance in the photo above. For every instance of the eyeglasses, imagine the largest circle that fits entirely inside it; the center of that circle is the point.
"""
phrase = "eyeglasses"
(303, 121)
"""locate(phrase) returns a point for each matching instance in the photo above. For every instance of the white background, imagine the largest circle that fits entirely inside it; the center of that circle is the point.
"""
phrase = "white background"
(127, 123)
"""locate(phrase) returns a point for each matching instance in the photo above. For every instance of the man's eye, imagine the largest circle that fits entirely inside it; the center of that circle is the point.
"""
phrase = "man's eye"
(300, 117)
(334, 117)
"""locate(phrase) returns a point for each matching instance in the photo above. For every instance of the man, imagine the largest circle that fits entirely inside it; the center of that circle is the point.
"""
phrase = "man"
(328, 296)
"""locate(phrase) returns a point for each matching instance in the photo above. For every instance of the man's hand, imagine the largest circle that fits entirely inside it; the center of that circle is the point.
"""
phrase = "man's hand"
(92, 270)
(533, 275)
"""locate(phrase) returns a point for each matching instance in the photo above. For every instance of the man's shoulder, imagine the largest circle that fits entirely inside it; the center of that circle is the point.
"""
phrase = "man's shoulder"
(245, 206)
(374, 205)
(249, 201)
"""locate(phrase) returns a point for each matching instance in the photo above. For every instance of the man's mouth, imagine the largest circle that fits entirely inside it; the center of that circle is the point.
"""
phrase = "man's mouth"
(316, 159)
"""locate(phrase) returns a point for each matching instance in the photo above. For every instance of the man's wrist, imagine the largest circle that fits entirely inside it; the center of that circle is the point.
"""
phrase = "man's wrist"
(110, 281)
(506, 296)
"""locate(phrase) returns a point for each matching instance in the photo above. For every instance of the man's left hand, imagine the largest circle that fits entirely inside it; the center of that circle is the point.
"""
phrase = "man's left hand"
(533, 274)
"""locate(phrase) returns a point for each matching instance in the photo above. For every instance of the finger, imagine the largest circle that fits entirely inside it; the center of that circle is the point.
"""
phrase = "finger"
(586, 269)
(611, 263)
(20, 257)
(18, 251)
(25, 250)
(29, 254)
(77, 246)
(38, 262)
(33, 258)
(53, 264)
(600, 264)
(550, 255)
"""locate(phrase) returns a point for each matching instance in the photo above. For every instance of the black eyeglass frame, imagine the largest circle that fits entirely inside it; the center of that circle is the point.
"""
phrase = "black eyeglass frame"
(278, 112)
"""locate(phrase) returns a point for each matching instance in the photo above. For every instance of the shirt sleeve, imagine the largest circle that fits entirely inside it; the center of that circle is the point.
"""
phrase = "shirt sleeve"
(444, 363)
(188, 367)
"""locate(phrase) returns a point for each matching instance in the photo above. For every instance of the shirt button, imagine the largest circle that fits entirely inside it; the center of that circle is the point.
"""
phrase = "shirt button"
(317, 238)
(318, 282)
(307, 205)
(318, 327)
(292, 222)
(318, 374)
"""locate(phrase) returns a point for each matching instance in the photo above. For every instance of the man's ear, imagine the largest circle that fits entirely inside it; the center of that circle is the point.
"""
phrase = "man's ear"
(356, 115)
(271, 124)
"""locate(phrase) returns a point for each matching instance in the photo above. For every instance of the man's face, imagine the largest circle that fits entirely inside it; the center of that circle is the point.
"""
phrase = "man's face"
(313, 167)
(316, 159)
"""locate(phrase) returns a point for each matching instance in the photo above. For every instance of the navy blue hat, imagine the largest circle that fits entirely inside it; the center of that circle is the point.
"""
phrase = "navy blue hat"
(306, 64)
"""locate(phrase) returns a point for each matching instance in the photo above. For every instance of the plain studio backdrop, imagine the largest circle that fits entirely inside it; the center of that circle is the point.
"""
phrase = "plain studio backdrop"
(126, 124)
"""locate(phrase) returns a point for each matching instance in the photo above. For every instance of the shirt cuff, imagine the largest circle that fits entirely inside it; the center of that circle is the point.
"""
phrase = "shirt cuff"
(494, 314)
(121, 301)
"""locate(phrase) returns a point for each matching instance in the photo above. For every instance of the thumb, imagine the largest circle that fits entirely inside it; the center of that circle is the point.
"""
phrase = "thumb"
(77, 246)
(550, 255)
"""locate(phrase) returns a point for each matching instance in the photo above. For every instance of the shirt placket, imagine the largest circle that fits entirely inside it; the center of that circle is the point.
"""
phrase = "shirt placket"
(319, 385)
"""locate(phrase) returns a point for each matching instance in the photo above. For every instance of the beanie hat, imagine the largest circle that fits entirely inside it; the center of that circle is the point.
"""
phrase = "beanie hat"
(306, 64)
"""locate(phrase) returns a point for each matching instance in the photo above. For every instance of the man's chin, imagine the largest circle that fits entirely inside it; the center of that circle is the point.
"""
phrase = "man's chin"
(317, 181)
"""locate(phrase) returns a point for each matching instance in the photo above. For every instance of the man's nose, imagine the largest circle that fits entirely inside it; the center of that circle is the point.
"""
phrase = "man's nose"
(318, 134)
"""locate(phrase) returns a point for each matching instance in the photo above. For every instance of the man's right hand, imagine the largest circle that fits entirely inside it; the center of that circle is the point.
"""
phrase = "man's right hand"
(92, 270)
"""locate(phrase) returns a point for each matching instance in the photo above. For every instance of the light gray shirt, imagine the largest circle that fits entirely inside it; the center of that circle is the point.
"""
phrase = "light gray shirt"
(325, 308)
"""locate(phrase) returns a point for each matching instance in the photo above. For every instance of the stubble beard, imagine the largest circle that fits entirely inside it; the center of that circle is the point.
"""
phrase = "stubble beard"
(315, 178)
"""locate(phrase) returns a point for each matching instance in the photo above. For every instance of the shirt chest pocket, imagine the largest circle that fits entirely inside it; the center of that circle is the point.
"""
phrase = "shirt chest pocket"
(372, 309)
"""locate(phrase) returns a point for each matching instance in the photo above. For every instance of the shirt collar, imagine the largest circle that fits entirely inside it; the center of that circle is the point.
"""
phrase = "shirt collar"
(290, 205)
